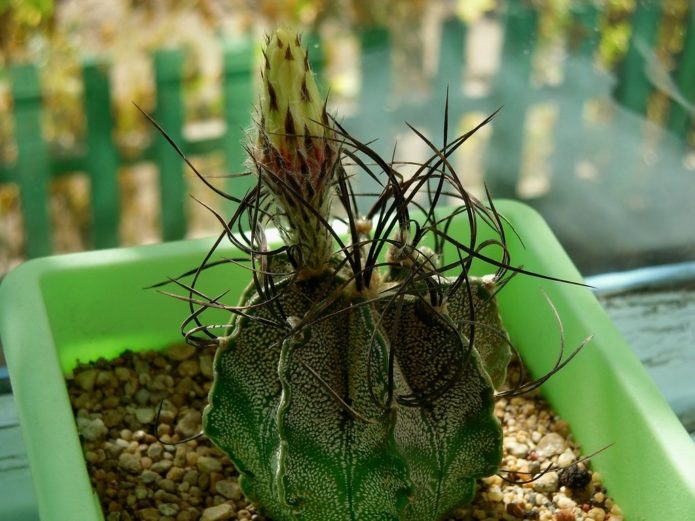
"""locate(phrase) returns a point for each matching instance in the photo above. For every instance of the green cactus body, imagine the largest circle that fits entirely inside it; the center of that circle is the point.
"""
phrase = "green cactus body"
(303, 456)
(491, 340)
(455, 439)
(334, 466)
(341, 393)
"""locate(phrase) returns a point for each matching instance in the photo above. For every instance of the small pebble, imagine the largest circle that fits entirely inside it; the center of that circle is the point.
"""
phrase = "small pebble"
(155, 451)
(166, 484)
(565, 503)
(148, 514)
(141, 492)
(229, 489)
(179, 352)
(209, 464)
(206, 365)
(175, 474)
(189, 424)
(147, 476)
(596, 514)
(91, 456)
(161, 466)
(168, 509)
(86, 379)
(516, 509)
(144, 415)
(112, 417)
(105, 378)
(122, 374)
(550, 445)
(130, 462)
(520, 450)
(164, 496)
(566, 458)
(91, 430)
(218, 513)
(548, 482)
(142, 396)
(565, 515)
(189, 368)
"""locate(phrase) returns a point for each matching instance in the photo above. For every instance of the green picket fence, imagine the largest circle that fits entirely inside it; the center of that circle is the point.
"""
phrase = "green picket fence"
(99, 157)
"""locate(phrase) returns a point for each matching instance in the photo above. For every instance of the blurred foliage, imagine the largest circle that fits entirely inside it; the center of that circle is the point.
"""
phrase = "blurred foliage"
(24, 24)
(554, 19)
(470, 10)
(20, 20)
(312, 14)
(58, 34)
(120, 32)
(615, 31)
(124, 33)
(670, 40)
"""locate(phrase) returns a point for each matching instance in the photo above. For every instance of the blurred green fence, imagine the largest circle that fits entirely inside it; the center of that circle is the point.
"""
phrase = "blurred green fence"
(100, 158)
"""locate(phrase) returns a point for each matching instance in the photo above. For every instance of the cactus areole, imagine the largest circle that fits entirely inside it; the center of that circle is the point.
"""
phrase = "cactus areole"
(356, 379)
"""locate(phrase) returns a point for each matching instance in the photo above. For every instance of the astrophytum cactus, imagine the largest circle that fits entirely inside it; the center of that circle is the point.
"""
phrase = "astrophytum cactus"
(356, 380)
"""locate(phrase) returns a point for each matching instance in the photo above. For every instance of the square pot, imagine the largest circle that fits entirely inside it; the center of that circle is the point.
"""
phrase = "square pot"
(56, 311)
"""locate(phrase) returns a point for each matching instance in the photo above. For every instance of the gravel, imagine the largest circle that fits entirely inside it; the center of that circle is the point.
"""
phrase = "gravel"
(138, 477)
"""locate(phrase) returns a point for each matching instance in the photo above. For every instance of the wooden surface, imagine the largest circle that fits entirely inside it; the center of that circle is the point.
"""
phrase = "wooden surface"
(658, 324)
(660, 328)
(16, 492)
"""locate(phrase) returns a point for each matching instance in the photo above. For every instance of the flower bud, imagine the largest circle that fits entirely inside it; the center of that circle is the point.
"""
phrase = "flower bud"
(295, 153)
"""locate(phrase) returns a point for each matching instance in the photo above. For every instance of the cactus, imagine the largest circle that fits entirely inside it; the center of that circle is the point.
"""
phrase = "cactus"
(357, 378)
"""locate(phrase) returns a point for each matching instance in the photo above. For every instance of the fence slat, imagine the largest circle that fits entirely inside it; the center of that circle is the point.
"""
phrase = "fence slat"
(680, 118)
(375, 73)
(451, 58)
(375, 67)
(33, 164)
(102, 156)
(38, 163)
(169, 114)
(633, 87)
(504, 152)
(581, 81)
(237, 93)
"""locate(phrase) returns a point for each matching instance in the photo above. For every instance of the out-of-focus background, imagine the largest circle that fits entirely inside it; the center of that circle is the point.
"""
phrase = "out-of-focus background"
(596, 129)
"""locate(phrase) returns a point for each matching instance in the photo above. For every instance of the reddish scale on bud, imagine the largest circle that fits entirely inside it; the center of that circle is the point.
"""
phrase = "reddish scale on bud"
(296, 153)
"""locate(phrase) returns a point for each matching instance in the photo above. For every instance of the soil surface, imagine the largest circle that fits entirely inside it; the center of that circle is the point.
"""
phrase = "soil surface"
(139, 474)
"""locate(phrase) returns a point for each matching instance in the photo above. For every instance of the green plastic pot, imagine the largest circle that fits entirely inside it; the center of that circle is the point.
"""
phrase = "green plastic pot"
(56, 311)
